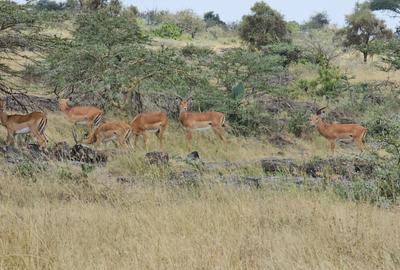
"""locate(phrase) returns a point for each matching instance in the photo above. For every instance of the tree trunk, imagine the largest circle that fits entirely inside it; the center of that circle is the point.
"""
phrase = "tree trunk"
(365, 57)
(129, 97)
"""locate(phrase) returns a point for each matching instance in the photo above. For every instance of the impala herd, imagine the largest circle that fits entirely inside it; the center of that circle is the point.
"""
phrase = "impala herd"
(157, 122)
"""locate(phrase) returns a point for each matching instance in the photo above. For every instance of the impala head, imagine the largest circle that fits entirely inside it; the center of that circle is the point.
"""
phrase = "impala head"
(64, 103)
(184, 104)
(316, 118)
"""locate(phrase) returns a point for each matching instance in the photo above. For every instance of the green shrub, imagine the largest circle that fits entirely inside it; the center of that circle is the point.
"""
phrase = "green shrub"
(297, 124)
(190, 50)
(168, 30)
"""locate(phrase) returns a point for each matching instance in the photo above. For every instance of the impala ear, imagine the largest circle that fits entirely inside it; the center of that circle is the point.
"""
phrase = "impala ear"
(190, 100)
(320, 111)
(178, 100)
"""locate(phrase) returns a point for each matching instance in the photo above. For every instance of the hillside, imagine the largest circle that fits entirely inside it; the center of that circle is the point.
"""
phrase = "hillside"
(273, 196)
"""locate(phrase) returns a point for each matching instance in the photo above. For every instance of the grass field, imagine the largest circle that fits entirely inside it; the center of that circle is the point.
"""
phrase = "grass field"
(53, 224)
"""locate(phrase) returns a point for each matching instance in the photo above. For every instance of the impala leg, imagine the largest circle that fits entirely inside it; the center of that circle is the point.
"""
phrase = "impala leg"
(136, 139)
(219, 131)
(160, 136)
(10, 137)
(189, 137)
(39, 138)
(359, 143)
(145, 138)
(333, 146)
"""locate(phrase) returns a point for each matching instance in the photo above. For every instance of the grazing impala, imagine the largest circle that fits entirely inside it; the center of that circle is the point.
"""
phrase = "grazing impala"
(34, 123)
(151, 121)
(333, 132)
(200, 120)
(109, 131)
(90, 115)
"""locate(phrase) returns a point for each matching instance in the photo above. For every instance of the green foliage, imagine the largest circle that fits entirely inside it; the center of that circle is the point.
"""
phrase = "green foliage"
(263, 27)
(193, 51)
(391, 55)
(256, 69)
(168, 30)
(331, 81)
(212, 19)
(297, 124)
(289, 52)
(50, 5)
(317, 21)
(189, 22)
(238, 91)
(391, 5)
(21, 30)
(363, 28)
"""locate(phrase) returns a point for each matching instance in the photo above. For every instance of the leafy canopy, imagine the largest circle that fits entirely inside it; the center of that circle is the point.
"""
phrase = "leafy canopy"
(363, 28)
(263, 27)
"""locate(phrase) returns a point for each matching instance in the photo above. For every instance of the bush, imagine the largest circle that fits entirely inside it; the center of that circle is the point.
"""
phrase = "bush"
(168, 30)
(190, 50)
(297, 124)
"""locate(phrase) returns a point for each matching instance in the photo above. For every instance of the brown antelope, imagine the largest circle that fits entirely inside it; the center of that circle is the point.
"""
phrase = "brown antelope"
(109, 131)
(90, 115)
(34, 123)
(150, 121)
(199, 120)
(333, 132)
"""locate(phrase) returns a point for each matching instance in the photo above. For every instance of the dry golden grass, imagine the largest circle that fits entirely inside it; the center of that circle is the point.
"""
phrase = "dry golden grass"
(353, 64)
(64, 217)
(53, 224)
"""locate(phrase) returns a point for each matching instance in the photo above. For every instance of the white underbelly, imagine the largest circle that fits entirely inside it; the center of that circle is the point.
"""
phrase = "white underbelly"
(203, 128)
(23, 131)
(153, 130)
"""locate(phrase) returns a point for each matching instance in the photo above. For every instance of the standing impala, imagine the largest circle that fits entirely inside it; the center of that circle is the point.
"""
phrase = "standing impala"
(90, 115)
(151, 121)
(34, 123)
(199, 120)
(109, 131)
(333, 132)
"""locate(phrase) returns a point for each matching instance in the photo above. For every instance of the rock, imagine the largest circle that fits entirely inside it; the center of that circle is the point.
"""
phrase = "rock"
(61, 151)
(338, 166)
(193, 156)
(12, 154)
(157, 158)
(272, 165)
(82, 153)
(186, 178)
(36, 152)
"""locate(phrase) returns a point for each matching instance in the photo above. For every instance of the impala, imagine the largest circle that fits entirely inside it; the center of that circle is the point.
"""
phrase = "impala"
(200, 120)
(333, 132)
(90, 115)
(151, 121)
(34, 123)
(109, 131)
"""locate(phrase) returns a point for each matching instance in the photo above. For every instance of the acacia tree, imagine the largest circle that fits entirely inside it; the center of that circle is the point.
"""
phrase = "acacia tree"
(317, 21)
(20, 31)
(212, 19)
(390, 5)
(363, 28)
(107, 60)
(189, 22)
(264, 26)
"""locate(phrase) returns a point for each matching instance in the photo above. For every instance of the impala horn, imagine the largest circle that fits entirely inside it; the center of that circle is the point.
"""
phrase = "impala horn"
(320, 110)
